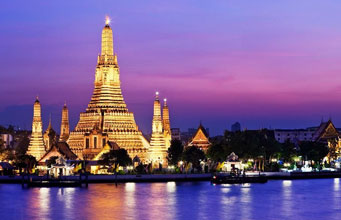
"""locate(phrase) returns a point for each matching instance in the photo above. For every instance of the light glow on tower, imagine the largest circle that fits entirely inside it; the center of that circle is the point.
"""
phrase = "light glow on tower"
(107, 20)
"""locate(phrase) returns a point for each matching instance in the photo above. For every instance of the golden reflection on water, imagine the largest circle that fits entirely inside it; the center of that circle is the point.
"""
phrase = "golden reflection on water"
(39, 203)
(129, 200)
(160, 204)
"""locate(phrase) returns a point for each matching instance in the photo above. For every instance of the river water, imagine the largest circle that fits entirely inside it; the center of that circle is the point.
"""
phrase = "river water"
(298, 199)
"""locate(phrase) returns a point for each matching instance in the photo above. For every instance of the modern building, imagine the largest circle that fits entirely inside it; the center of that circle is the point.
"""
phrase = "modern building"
(323, 132)
(176, 134)
(235, 127)
(7, 140)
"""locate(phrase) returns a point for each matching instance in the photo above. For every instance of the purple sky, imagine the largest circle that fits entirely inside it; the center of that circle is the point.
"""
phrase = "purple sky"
(263, 63)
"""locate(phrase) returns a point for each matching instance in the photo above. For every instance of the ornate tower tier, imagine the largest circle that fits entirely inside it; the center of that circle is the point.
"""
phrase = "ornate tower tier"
(107, 113)
(64, 127)
(36, 147)
(157, 151)
(166, 124)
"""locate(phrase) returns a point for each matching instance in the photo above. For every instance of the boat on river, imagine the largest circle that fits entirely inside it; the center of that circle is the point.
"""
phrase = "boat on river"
(237, 179)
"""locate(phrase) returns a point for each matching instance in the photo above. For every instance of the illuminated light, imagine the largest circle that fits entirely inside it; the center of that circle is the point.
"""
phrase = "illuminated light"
(286, 164)
(171, 186)
(274, 160)
(181, 162)
(250, 160)
(156, 93)
(225, 190)
(287, 183)
(130, 187)
(107, 20)
(165, 100)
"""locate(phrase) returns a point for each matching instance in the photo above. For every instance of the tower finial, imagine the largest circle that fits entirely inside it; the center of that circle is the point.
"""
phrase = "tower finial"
(107, 20)
(50, 125)
(157, 95)
(165, 102)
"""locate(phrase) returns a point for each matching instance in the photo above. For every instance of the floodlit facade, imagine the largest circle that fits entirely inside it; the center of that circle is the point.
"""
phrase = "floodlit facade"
(107, 117)
(157, 152)
(200, 139)
(36, 147)
(64, 127)
(166, 124)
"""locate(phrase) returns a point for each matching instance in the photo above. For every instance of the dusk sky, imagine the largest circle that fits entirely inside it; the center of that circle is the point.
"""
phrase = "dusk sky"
(263, 63)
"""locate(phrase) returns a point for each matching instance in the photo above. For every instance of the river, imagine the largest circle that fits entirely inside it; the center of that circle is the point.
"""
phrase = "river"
(277, 199)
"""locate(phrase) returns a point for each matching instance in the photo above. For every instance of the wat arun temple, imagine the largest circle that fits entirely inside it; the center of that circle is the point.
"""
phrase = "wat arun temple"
(107, 118)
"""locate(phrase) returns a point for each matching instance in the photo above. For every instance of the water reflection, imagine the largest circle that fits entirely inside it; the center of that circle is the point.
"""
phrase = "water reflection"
(66, 196)
(287, 197)
(245, 200)
(171, 187)
(336, 184)
(159, 202)
(301, 199)
(129, 200)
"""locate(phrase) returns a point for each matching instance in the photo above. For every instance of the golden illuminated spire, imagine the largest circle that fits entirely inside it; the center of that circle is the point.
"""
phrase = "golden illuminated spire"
(36, 147)
(157, 151)
(64, 127)
(166, 124)
(107, 39)
(107, 117)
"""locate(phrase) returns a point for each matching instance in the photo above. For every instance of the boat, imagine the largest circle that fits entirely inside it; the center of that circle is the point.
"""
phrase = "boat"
(28, 181)
(238, 179)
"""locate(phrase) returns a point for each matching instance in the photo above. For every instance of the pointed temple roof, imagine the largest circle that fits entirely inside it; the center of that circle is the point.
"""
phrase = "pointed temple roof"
(59, 149)
(325, 131)
(200, 138)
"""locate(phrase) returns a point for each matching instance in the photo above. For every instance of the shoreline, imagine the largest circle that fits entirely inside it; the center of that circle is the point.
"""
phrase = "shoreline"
(150, 178)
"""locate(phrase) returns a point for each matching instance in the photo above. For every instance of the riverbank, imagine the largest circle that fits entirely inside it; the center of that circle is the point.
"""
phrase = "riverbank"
(174, 177)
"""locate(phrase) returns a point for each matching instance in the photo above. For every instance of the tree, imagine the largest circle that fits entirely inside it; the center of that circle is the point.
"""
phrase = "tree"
(26, 161)
(22, 147)
(117, 158)
(288, 151)
(315, 151)
(174, 152)
(193, 155)
(216, 152)
(6, 154)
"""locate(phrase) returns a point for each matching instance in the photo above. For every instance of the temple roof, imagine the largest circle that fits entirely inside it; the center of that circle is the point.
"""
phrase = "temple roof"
(59, 149)
(326, 130)
(200, 136)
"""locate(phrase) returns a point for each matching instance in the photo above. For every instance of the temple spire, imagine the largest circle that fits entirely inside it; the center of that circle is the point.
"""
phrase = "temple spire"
(36, 147)
(157, 151)
(166, 124)
(49, 126)
(64, 127)
(107, 39)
